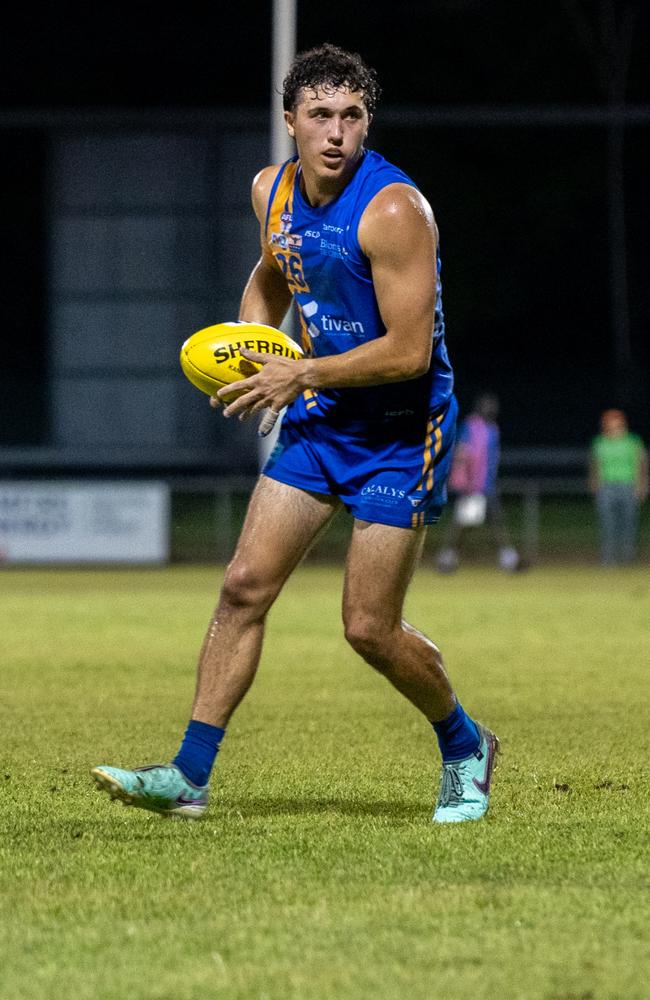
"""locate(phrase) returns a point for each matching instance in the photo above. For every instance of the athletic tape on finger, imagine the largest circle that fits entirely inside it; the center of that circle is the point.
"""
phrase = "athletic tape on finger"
(267, 423)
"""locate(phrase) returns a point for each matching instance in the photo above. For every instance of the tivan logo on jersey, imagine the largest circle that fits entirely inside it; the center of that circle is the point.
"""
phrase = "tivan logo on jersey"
(330, 324)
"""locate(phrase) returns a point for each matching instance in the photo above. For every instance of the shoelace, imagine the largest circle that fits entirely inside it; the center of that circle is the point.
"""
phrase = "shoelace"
(451, 789)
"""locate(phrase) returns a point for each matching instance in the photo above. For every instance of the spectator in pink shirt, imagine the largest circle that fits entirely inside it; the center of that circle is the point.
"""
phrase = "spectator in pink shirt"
(473, 481)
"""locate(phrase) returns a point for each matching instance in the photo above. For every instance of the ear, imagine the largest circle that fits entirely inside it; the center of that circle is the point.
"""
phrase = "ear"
(289, 120)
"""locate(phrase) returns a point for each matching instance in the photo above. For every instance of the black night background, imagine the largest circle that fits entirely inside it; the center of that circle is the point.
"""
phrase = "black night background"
(532, 146)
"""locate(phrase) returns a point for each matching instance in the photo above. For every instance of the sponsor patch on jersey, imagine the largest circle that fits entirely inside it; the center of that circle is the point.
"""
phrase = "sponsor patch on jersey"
(330, 249)
(415, 499)
(383, 494)
(288, 241)
(342, 327)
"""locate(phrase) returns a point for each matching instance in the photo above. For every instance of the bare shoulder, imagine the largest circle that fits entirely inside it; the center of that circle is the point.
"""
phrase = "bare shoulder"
(261, 190)
(400, 211)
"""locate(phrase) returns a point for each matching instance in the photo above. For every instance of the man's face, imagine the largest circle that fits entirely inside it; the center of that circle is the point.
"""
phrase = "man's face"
(614, 424)
(329, 127)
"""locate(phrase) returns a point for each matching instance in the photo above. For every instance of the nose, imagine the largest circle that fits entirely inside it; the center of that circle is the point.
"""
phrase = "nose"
(335, 132)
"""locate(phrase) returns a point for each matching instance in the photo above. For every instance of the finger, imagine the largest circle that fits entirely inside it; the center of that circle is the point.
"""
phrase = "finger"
(240, 387)
(254, 408)
(260, 359)
(215, 402)
(236, 406)
(232, 410)
(267, 423)
(245, 407)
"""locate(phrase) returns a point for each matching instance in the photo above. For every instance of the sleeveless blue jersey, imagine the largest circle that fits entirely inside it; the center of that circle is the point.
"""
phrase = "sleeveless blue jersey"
(331, 281)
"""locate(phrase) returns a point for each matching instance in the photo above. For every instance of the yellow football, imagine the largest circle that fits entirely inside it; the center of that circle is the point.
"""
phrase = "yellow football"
(211, 357)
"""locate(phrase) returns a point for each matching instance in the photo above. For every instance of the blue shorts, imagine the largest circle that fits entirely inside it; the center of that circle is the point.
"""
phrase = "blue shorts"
(390, 473)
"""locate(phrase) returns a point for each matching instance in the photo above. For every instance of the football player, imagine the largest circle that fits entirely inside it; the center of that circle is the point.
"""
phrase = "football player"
(369, 426)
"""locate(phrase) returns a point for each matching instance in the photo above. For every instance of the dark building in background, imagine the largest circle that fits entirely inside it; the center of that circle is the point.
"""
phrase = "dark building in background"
(130, 229)
(23, 288)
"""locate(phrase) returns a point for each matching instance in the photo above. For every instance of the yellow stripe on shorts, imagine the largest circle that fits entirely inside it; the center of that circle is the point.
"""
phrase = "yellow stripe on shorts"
(433, 438)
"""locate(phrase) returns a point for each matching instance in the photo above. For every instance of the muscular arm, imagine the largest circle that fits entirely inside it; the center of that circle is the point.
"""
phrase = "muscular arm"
(266, 296)
(398, 234)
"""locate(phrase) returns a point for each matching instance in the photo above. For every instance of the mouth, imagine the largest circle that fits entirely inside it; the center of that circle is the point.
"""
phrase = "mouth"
(333, 156)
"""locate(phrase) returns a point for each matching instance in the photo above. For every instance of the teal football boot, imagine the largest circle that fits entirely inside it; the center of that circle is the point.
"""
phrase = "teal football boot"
(465, 786)
(161, 788)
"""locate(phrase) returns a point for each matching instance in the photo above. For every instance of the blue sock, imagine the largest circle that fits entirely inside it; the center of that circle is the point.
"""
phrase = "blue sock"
(458, 735)
(198, 750)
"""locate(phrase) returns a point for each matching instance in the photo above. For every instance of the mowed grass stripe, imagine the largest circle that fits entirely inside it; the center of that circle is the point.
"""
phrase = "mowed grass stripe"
(317, 873)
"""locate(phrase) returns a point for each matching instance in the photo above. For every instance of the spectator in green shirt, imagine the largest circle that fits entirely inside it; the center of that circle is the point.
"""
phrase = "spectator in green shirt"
(618, 479)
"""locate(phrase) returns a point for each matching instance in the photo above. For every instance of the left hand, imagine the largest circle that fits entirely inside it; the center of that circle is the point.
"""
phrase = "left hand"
(274, 387)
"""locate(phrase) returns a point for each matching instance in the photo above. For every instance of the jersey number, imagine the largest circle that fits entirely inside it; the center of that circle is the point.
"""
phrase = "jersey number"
(291, 264)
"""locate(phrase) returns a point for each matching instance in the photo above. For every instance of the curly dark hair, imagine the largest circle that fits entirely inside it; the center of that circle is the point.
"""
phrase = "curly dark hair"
(330, 67)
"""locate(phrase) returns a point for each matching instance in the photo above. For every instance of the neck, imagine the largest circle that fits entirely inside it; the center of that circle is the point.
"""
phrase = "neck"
(320, 191)
(320, 194)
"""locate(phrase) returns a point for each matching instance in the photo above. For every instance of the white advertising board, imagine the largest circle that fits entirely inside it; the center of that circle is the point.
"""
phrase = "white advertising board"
(81, 522)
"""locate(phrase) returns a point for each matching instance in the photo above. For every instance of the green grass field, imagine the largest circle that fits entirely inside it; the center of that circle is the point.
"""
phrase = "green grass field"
(317, 873)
